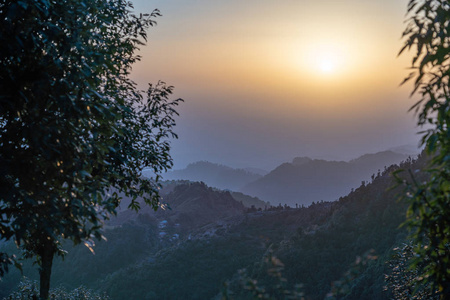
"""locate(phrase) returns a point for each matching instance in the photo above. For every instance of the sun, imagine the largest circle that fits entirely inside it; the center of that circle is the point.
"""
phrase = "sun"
(325, 59)
(327, 66)
(328, 60)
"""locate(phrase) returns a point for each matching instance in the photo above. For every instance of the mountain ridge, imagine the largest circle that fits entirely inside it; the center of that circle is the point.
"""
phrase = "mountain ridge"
(152, 256)
(305, 180)
(215, 175)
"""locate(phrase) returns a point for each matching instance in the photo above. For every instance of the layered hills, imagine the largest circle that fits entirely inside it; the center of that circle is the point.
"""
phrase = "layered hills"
(216, 175)
(306, 180)
(190, 205)
(190, 251)
(300, 182)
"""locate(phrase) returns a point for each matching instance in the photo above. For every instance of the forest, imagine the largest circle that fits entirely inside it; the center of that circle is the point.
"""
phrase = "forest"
(212, 243)
(85, 212)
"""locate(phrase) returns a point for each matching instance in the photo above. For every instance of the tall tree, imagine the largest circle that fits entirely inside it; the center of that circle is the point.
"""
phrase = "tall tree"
(74, 128)
(428, 33)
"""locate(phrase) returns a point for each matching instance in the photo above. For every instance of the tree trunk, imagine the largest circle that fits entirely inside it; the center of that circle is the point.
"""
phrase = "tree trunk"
(46, 269)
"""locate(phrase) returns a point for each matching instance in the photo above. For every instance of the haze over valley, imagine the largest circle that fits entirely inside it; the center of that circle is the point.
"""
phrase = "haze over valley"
(192, 249)
(255, 87)
(299, 182)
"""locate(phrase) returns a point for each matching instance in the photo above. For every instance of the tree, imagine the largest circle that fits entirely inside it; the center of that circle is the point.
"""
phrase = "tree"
(74, 129)
(428, 215)
(28, 289)
(402, 280)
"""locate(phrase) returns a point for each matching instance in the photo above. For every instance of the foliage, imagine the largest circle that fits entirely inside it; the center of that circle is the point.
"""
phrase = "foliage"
(28, 289)
(276, 288)
(74, 129)
(428, 33)
(191, 270)
(323, 257)
(403, 281)
(342, 287)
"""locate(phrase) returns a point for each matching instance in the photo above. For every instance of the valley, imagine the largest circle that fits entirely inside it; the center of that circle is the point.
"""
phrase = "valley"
(200, 243)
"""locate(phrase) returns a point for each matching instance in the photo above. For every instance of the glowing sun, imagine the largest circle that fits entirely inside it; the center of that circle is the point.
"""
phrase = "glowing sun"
(325, 59)
(328, 61)
(327, 66)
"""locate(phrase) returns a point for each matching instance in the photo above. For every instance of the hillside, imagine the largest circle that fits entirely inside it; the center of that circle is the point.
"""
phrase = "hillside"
(249, 201)
(306, 180)
(196, 211)
(215, 175)
(246, 200)
(194, 205)
(190, 205)
(163, 255)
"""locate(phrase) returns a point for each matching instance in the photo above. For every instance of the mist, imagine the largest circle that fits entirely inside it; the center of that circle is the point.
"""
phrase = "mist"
(254, 93)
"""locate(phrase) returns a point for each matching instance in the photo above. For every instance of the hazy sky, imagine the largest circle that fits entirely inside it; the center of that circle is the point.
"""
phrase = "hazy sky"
(266, 81)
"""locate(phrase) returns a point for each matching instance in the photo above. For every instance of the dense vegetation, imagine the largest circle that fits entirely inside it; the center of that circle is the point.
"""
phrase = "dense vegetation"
(428, 35)
(209, 238)
(73, 125)
(193, 260)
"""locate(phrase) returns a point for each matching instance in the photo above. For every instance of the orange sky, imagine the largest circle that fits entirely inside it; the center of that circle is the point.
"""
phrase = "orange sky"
(265, 81)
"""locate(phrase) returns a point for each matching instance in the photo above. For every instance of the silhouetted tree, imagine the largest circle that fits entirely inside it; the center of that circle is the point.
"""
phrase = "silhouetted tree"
(428, 215)
(402, 280)
(74, 130)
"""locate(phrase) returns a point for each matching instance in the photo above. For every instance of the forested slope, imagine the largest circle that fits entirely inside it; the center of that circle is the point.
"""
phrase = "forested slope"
(160, 256)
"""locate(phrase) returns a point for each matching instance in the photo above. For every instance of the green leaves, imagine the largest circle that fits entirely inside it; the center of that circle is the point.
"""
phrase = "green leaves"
(404, 280)
(73, 126)
(428, 31)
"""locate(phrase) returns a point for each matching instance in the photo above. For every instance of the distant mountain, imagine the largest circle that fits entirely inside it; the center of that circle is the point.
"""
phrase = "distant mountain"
(246, 200)
(307, 180)
(256, 171)
(192, 198)
(215, 175)
(412, 150)
(195, 204)
(190, 204)
(379, 159)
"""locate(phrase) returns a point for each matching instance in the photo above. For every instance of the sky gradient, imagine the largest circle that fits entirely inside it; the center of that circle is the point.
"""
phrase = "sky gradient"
(266, 81)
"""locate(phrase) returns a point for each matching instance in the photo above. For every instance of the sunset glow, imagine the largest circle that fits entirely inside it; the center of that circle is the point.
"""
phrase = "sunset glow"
(329, 60)
(327, 65)
(311, 69)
